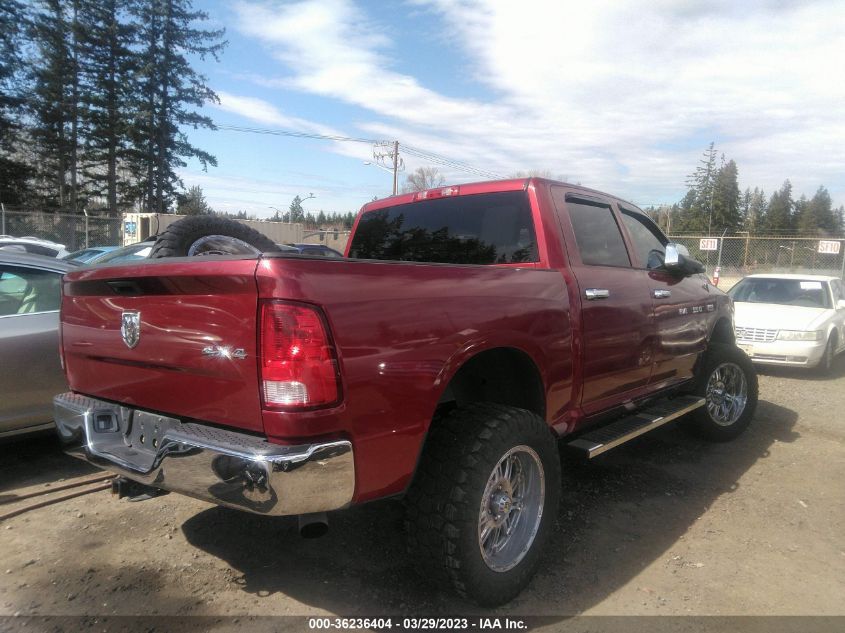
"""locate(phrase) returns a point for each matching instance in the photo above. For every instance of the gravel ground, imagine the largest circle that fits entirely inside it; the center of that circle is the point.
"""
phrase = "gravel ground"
(666, 524)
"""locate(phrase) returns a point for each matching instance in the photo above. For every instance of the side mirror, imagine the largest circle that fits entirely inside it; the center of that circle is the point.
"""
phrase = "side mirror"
(672, 259)
(678, 261)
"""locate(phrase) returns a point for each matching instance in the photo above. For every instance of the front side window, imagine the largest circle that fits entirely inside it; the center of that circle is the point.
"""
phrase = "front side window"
(597, 234)
(28, 290)
(489, 228)
(649, 243)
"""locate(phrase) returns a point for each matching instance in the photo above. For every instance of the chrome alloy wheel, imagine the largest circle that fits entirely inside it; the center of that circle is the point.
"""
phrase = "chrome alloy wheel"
(221, 245)
(726, 394)
(511, 508)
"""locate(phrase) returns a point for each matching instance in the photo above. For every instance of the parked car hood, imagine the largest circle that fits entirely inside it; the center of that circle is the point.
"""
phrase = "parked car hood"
(773, 316)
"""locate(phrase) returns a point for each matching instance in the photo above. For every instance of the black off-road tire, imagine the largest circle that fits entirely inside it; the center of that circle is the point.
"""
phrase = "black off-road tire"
(702, 422)
(177, 238)
(442, 505)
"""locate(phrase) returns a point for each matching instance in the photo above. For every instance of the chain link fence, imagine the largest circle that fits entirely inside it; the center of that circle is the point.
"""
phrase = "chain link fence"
(74, 231)
(738, 256)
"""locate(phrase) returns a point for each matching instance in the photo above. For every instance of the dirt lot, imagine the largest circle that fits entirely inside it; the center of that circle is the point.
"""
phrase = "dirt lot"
(664, 525)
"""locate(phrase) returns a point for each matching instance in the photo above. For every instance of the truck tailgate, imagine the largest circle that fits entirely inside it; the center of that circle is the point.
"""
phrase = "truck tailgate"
(195, 356)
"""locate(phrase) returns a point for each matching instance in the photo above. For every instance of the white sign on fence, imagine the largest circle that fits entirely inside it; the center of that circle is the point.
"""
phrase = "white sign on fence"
(710, 244)
(829, 247)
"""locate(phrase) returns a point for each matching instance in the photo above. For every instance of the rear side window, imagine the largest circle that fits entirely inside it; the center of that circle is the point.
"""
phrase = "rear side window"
(597, 234)
(28, 290)
(648, 241)
(490, 228)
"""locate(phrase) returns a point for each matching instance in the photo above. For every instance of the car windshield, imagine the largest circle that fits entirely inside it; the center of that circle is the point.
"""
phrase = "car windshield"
(807, 293)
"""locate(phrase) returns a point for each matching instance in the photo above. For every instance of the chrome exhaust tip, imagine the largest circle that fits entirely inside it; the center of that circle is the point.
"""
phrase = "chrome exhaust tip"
(313, 525)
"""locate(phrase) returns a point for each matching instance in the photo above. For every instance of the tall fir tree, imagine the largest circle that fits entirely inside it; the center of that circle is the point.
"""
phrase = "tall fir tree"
(108, 69)
(697, 205)
(14, 171)
(170, 89)
(49, 101)
(726, 199)
(779, 218)
(757, 209)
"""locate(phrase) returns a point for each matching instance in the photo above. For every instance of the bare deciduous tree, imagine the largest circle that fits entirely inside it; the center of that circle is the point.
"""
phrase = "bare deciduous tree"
(423, 178)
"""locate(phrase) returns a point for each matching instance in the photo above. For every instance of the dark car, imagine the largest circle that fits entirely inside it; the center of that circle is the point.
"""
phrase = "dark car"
(30, 371)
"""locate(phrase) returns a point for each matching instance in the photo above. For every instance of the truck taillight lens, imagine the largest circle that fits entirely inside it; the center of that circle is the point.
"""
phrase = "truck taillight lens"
(298, 362)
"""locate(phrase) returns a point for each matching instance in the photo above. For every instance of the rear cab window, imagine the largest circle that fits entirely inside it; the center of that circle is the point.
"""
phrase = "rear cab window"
(481, 229)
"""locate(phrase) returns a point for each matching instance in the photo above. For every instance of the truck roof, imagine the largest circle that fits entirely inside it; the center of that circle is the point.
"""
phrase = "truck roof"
(485, 186)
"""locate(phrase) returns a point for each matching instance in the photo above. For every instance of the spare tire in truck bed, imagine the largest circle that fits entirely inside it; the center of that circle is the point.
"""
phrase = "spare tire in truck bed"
(210, 235)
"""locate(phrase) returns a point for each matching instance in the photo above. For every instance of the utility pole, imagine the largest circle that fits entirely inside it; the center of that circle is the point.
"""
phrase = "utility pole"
(395, 164)
(395, 167)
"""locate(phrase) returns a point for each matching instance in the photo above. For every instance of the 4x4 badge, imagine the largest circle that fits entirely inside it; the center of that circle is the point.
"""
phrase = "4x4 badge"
(130, 327)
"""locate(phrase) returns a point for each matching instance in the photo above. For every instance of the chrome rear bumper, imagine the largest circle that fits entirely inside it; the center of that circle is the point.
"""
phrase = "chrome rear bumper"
(228, 468)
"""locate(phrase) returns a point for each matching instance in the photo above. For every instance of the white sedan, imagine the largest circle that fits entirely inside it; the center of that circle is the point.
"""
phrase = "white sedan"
(794, 320)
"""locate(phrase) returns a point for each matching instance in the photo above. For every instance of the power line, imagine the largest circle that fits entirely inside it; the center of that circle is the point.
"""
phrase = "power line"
(323, 137)
(448, 162)
(438, 159)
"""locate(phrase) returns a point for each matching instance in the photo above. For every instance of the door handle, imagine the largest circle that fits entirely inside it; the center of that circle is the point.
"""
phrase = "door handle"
(596, 293)
(661, 294)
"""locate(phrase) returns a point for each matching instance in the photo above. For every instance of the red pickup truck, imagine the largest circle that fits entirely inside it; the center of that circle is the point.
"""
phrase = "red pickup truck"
(469, 331)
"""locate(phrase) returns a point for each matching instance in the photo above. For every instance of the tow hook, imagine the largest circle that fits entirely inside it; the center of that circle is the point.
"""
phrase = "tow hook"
(134, 491)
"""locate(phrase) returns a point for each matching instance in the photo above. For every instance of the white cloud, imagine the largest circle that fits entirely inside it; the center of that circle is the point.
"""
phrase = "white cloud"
(621, 96)
(264, 112)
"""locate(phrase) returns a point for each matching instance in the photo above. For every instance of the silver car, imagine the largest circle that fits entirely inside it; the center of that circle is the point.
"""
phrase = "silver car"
(30, 370)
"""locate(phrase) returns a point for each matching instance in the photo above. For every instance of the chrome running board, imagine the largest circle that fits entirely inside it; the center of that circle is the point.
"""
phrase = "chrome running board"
(610, 436)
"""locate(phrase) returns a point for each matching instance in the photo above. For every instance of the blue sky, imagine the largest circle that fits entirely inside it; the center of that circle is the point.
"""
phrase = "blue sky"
(620, 96)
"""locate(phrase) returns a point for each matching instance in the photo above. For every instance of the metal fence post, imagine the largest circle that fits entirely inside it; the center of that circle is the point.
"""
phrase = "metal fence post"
(3, 209)
(721, 243)
(842, 251)
(85, 211)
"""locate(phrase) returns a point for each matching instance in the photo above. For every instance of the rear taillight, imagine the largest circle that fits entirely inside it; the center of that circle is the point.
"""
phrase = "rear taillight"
(298, 361)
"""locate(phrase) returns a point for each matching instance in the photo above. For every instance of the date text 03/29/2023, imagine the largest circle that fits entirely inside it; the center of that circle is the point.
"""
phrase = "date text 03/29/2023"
(418, 624)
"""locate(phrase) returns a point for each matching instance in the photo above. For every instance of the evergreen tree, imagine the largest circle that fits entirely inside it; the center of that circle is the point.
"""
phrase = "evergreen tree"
(816, 216)
(50, 100)
(193, 202)
(14, 172)
(779, 215)
(296, 213)
(726, 199)
(107, 67)
(697, 206)
(690, 217)
(805, 220)
(169, 89)
(757, 209)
